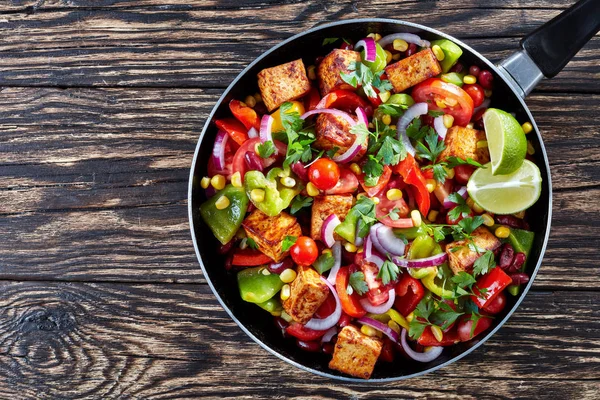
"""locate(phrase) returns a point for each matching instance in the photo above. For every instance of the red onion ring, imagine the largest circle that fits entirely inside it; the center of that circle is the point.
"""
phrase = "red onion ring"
(218, 153)
(414, 111)
(362, 116)
(331, 111)
(368, 44)
(450, 204)
(329, 334)
(252, 133)
(380, 326)
(387, 242)
(326, 323)
(407, 37)
(375, 259)
(337, 256)
(366, 304)
(432, 261)
(440, 128)
(265, 133)
(485, 104)
(349, 154)
(420, 357)
(330, 223)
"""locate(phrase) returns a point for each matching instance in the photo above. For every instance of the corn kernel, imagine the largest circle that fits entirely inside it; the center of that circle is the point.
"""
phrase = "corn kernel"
(222, 203)
(355, 168)
(433, 214)
(286, 291)
(487, 92)
(257, 195)
(250, 101)
(243, 104)
(283, 173)
(438, 52)
(375, 36)
(371, 126)
(396, 56)
(502, 232)
(469, 79)
(394, 194)
(415, 215)
(244, 243)
(430, 184)
(449, 172)
(393, 127)
(482, 144)
(276, 313)
(286, 317)
(360, 196)
(440, 103)
(375, 200)
(520, 214)
(530, 149)
(369, 331)
(241, 233)
(256, 149)
(437, 332)
(265, 272)
(527, 127)
(400, 45)
(477, 208)
(386, 119)
(288, 275)
(470, 125)
(236, 180)
(487, 219)
(410, 317)
(312, 75)
(448, 120)
(218, 181)
(395, 327)
(288, 181)
(451, 101)
(388, 56)
(384, 96)
(257, 97)
(205, 182)
(350, 247)
(311, 189)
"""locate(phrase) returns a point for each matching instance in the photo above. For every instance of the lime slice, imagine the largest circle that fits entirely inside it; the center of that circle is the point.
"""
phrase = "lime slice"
(506, 194)
(506, 141)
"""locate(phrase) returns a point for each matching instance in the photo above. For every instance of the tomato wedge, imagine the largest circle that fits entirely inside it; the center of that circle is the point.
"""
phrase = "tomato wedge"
(244, 114)
(299, 331)
(381, 183)
(427, 338)
(348, 183)
(350, 302)
(234, 128)
(435, 90)
(249, 258)
(239, 162)
(411, 173)
(345, 100)
(385, 206)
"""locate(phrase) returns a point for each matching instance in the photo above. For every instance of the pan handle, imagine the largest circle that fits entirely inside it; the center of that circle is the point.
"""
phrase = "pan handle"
(545, 51)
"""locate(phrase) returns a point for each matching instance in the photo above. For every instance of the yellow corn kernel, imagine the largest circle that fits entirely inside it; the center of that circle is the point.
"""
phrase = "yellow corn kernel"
(432, 215)
(449, 172)
(394, 194)
(502, 232)
(530, 149)
(437, 332)
(415, 215)
(286, 291)
(326, 251)
(375, 200)
(205, 182)
(438, 52)
(369, 331)
(482, 144)
(285, 316)
(388, 56)
(386, 119)
(440, 103)
(487, 219)
(477, 208)
(257, 97)
(265, 272)
(430, 185)
(236, 180)
(527, 127)
(520, 214)
(371, 126)
(222, 203)
(375, 36)
(276, 313)
(250, 101)
(487, 92)
(448, 120)
(350, 247)
(395, 327)
(393, 127)
(410, 317)
(400, 45)
(311, 72)
(396, 56)
(355, 168)
(470, 125)
(451, 101)
(384, 96)
(469, 79)
(218, 181)
(360, 196)
(311, 189)
(257, 195)
(288, 275)
(288, 181)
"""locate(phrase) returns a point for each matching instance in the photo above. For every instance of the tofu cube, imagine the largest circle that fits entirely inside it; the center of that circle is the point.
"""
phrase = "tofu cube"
(269, 232)
(332, 131)
(323, 207)
(462, 143)
(354, 353)
(413, 70)
(463, 259)
(308, 292)
(283, 83)
(333, 64)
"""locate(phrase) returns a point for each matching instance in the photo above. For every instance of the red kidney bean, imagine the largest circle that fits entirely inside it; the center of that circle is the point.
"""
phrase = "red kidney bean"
(507, 256)
(519, 279)
(327, 348)
(281, 324)
(412, 49)
(318, 60)
(458, 68)
(261, 108)
(427, 120)
(347, 257)
(526, 225)
(277, 268)
(251, 207)
(518, 262)
(509, 220)
(228, 261)
(311, 346)
(345, 320)
(474, 70)
(224, 248)
(486, 79)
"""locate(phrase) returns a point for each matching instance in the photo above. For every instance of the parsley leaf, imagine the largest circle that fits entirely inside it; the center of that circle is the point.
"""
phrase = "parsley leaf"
(266, 149)
(300, 202)
(324, 263)
(468, 225)
(372, 170)
(330, 40)
(421, 317)
(464, 279)
(433, 113)
(391, 151)
(290, 119)
(393, 110)
(461, 209)
(393, 214)
(454, 161)
(484, 263)
(251, 243)
(365, 208)
(388, 272)
(288, 242)
(362, 75)
(433, 149)
(358, 283)
(445, 315)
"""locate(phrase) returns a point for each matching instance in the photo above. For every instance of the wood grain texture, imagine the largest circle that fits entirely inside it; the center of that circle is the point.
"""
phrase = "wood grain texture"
(163, 341)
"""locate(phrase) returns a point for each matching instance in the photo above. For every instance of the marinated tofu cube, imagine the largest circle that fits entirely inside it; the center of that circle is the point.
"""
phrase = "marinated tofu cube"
(462, 143)
(413, 70)
(269, 232)
(283, 83)
(332, 131)
(323, 207)
(463, 258)
(355, 353)
(308, 292)
(332, 66)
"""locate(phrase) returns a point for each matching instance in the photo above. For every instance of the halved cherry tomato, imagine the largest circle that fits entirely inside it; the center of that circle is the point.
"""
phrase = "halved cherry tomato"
(239, 162)
(476, 93)
(462, 173)
(411, 173)
(324, 173)
(345, 100)
(465, 324)
(409, 292)
(244, 114)
(348, 183)
(299, 331)
(350, 302)
(327, 307)
(381, 183)
(249, 258)
(383, 208)
(427, 338)
(436, 89)
(234, 128)
(378, 293)
(493, 282)
(312, 99)
(496, 305)
(451, 221)
(304, 252)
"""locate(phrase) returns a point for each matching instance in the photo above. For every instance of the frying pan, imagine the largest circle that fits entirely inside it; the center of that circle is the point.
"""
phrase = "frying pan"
(544, 52)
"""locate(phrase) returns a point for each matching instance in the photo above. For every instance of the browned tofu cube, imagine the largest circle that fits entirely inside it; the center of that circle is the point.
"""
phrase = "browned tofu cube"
(323, 207)
(333, 64)
(413, 70)
(462, 143)
(354, 353)
(283, 83)
(332, 131)
(308, 292)
(463, 258)
(269, 232)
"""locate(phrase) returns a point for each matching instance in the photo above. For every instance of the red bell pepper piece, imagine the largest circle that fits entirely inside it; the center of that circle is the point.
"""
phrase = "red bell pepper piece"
(249, 258)
(381, 183)
(244, 114)
(350, 302)
(409, 292)
(234, 128)
(299, 331)
(427, 338)
(493, 282)
(345, 100)
(411, 173)
(312, 99)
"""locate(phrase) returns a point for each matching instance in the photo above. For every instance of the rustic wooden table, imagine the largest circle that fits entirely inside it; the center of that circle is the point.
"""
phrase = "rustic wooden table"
(101, 295)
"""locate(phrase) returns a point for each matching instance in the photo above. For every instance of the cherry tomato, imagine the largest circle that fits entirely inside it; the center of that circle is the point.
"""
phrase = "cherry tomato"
(383, 208)
(496, 305)
(462, 173)
(324, 173)
(476, 93)
(464, 327)
(348, 183)
(436, 89)
(304, 252)
(239, 162)
(451, 221)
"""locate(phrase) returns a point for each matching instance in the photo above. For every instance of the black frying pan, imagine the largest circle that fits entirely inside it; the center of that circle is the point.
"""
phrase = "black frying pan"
(543, 53)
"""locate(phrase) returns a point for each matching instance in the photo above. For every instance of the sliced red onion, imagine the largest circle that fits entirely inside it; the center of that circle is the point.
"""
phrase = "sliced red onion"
(331, 111)
(485, 104)
(424, 357)
(329, 334)
(389, 243)
(368, 248)
(266, 125)
(407, 37)
(358, 241)
(440, 128)
(330, 223)
(449, 203)
(375, 259)
(366, 304)
(349, 154)
(218, 153)
(326, 323)
(380, 326)
(337, 256)
(368, 44)
(414, 111)
(432, 261)
(253, 161)
(362, 116)
(252, 133)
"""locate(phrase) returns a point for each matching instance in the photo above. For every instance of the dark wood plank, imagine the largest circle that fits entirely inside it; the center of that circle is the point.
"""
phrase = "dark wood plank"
(164, 341)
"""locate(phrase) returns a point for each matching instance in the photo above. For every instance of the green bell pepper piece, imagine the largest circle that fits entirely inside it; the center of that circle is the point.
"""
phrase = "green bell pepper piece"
(439, 286)
(225, 223)
(410, 233)
(453, 77)
(522, 241)
(347, 229)
(277, 196)
(423, 246)
(514, 289)
(256, 287)
(451, 53)
(273, 305)
(380, 59)
(402, 99)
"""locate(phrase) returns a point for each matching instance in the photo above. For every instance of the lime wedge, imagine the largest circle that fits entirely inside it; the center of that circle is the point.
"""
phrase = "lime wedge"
(506, 141)
(506, 194)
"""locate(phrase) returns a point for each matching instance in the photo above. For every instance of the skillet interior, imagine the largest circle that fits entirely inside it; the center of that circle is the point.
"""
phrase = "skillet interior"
(259, 324)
